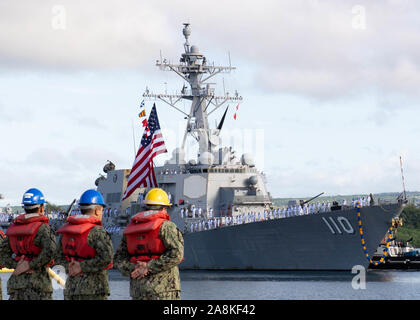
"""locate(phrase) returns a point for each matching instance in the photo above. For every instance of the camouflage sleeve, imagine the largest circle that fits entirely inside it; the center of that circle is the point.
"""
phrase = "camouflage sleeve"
(122, 259)
(60, 258)
(6, 253)
(45, 239)
(174, 243)
(99, 240)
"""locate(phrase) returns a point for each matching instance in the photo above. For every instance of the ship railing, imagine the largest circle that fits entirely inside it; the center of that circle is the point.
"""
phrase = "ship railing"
(113, 229)
(197, 224)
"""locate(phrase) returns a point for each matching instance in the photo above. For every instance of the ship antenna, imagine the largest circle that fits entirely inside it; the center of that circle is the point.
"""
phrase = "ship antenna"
(402, 176)
(186, 32)
(194, 69)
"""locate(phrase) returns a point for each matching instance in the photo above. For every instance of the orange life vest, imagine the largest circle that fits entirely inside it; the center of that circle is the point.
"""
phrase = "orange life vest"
(142, 234)
(21, 235)
(74, 241)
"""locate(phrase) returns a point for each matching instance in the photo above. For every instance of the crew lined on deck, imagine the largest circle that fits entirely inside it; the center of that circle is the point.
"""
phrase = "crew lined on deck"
(210, 222)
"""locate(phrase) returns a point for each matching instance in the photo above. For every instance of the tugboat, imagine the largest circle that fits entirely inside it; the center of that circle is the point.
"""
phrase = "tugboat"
(401, 255)
(221, 202)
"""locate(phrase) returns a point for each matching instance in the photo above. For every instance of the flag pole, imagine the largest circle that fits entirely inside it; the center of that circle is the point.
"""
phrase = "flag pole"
(154, 173)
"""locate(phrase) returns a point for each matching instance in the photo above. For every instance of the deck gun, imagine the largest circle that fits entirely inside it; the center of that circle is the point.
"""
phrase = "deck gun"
(302, 203)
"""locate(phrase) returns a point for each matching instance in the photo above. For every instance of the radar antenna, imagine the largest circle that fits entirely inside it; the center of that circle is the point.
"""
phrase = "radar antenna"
(194, 69)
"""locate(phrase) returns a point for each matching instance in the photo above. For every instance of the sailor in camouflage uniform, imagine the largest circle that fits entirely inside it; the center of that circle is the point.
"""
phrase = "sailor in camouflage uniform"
(29, 248)
(150, 251)
(2, 236)
(85, 250)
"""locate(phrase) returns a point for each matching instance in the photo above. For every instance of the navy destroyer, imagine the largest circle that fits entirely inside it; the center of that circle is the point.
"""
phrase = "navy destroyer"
(221, 202)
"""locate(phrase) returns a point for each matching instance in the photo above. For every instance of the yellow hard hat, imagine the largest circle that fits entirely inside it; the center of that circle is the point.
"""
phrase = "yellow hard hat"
(157, 196)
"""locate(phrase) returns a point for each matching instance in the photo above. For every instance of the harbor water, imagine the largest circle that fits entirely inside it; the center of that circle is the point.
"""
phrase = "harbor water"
(279, 285)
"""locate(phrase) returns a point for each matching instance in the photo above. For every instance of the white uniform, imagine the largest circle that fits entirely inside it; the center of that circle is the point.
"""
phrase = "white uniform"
(300, 210)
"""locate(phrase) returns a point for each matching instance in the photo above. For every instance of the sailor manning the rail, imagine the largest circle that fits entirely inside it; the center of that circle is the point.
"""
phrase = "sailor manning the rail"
(150, 251)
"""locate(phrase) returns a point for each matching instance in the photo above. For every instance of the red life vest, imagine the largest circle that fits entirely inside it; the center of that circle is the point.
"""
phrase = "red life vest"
(142, 234)
(21, 235)
(3, 236)
(74, 241)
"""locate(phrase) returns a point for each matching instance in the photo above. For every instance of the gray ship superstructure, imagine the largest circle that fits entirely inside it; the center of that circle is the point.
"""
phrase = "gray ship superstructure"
(221, 202)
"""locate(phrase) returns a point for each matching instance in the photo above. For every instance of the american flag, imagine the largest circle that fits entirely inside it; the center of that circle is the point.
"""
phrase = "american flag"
(152, 144)
(237, 107)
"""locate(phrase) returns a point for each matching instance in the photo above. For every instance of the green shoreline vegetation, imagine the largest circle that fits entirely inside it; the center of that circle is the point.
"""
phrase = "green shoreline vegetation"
(411, 226)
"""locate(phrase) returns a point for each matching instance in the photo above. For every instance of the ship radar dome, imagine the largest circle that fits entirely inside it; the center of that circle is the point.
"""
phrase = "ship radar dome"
(194, 49)
(206, 158)
(247, 160)
(253, 180)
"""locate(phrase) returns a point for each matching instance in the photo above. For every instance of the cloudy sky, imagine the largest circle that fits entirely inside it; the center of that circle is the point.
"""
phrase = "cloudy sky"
(331, 89)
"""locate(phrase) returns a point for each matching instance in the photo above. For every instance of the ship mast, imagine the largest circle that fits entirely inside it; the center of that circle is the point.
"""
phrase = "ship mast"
(194, 69)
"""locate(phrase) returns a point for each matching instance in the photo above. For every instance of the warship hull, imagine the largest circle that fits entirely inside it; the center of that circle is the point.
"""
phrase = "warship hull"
(323, 241)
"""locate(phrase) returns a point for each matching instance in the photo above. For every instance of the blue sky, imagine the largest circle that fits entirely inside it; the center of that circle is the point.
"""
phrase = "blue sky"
(330, 90)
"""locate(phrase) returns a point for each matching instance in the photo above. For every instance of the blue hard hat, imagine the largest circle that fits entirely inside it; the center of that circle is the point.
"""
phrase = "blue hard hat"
(92, 196)
(32, 197)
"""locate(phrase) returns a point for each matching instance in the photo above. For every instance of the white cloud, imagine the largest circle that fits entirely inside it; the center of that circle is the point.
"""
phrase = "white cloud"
(362, 178)
(61, 176)
(97, 34)
(302, 47)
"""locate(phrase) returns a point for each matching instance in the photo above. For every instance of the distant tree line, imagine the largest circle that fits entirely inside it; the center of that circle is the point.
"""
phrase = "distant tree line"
(411, 226)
